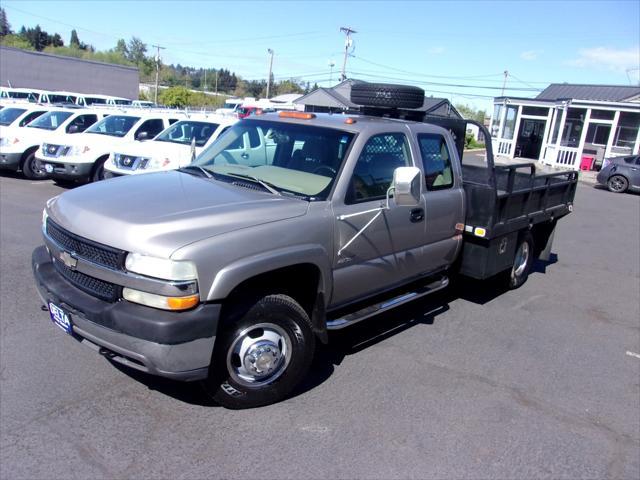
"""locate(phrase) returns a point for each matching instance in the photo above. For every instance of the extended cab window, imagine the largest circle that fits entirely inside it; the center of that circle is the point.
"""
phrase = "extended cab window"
(373, 172)
(436, 161)
(83, 122)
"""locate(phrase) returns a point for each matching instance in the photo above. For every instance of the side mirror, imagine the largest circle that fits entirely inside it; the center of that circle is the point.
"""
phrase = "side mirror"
(73, 129)
(407, 186)
(142, 136)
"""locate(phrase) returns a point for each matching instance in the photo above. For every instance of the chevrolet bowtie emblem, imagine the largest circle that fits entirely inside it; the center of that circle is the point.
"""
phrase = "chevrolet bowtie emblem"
(68, 260)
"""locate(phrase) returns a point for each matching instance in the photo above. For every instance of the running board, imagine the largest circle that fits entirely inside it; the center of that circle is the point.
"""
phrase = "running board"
(385, 305)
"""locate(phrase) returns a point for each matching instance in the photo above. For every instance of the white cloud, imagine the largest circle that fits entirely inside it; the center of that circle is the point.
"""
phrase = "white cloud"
(435, 50)
(607, 58)
(530, 55)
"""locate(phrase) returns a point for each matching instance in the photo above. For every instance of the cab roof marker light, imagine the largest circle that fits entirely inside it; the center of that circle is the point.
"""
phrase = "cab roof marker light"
(350, 121)
(298, 115)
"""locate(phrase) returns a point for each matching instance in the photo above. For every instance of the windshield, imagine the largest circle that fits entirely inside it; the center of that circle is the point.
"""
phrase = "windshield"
(230, 105)
(8, 115)
(292, 158)
(28, 95)
(121, 101)
(50, 120)
(185, 131)
(114, 125)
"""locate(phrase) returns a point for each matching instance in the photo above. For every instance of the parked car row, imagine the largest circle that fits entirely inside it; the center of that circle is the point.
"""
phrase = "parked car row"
(71, 144)
(10, 96)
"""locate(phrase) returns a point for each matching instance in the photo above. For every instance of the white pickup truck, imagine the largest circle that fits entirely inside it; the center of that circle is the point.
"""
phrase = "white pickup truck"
(20, 142)
(174, 148)
(82, 157)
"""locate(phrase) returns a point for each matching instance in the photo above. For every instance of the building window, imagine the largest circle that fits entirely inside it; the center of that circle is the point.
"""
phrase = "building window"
(495, 124)
(627, 130)
(598, 134)
(556, 127)
(602, 114)
(573, 127)
(538, 111)
(510, 122)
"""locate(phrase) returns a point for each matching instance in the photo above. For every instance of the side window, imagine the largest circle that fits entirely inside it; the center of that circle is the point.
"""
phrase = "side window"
(436, 161)
(373, 172)
(83, 122)
(172, 121)
(152, 127)
(29, 117)
(254, 138)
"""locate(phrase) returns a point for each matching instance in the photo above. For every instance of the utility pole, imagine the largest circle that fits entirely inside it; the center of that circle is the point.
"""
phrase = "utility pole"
(504, 84)
(216, 82)
(270, 67)
(158, 48)
(347, 44)
(205, 81)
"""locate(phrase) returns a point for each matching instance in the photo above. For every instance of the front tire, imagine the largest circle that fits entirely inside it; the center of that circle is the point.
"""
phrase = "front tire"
(31, 168)
(261, 354)
(617, 184)
(98, 170)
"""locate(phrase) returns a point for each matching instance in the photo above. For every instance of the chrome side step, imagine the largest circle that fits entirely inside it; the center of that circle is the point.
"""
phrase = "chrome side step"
(380, 307)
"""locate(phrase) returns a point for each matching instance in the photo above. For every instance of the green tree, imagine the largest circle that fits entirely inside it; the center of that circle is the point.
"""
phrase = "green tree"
(471, 113)
(121, 48)
(74, 42)
(175, 97)
(5, 28)
(136, 50)
(15, 41)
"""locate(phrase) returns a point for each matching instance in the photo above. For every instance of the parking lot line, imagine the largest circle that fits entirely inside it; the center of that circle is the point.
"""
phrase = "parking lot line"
(631, 354)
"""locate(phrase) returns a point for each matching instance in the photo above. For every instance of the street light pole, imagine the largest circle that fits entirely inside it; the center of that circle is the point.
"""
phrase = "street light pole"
(331, 65)
(270, 68)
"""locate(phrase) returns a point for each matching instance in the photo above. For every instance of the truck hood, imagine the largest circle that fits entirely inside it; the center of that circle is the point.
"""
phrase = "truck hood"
(158, 213)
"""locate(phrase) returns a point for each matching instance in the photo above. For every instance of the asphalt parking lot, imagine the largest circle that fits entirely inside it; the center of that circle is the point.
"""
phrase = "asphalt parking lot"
(534, 383)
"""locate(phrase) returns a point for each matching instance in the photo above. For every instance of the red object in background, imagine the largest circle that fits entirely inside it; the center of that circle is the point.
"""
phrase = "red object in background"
(586, 163)
(244, 112)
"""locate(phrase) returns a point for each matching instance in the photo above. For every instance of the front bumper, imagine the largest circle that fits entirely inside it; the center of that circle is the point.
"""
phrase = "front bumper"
(176, 345)
(65, 170)
(10, 161)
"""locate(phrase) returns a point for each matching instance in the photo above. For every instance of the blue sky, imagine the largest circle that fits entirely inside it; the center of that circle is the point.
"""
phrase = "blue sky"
(450, 48)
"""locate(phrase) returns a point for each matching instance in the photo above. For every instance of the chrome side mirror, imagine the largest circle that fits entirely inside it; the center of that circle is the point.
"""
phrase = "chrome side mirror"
(407, 186)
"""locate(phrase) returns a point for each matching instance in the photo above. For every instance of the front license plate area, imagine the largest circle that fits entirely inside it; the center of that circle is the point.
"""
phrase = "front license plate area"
(61, 318)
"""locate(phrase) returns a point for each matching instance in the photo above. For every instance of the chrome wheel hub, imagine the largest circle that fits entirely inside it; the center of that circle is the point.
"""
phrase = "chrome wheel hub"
(522, 257)
(259, 355)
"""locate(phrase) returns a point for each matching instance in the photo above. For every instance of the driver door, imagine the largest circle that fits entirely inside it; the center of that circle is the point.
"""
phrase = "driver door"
(389, 250)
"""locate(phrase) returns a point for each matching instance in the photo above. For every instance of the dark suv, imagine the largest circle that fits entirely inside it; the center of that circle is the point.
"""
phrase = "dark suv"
(621, 174)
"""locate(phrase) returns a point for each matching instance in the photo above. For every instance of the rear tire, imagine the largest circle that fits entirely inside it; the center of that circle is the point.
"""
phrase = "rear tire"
(522, 263)
(387, 95)
(262, 353)
(617, 184)
(31, 168)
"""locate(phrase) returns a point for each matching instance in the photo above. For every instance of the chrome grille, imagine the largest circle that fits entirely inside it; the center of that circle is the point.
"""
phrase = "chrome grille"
(93, 286)
(94, 252)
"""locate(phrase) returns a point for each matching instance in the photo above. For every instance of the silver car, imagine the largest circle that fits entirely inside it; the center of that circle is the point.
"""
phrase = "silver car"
(620, 174)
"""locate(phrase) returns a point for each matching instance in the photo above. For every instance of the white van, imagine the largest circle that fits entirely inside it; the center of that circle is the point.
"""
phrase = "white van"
(88, 100)
(82, 157)
(174, 148)
(19, 144)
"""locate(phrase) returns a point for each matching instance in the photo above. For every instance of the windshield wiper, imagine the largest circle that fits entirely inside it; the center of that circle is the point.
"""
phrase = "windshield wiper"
(195, 168)
(267, 186)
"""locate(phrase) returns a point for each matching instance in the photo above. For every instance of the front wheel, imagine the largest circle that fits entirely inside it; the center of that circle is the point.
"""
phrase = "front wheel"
(31, 168)
(261, 354)
(98, 170)
(617, 184)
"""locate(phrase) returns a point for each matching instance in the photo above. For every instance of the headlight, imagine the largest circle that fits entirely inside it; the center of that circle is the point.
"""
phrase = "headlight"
(45, 215)
(114, 158)
(4, 141)
(160, 301)
(161, 163)
(161, 267)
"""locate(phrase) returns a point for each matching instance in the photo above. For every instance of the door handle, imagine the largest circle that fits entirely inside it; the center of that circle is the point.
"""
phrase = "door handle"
(244, 155)
(417, 215)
